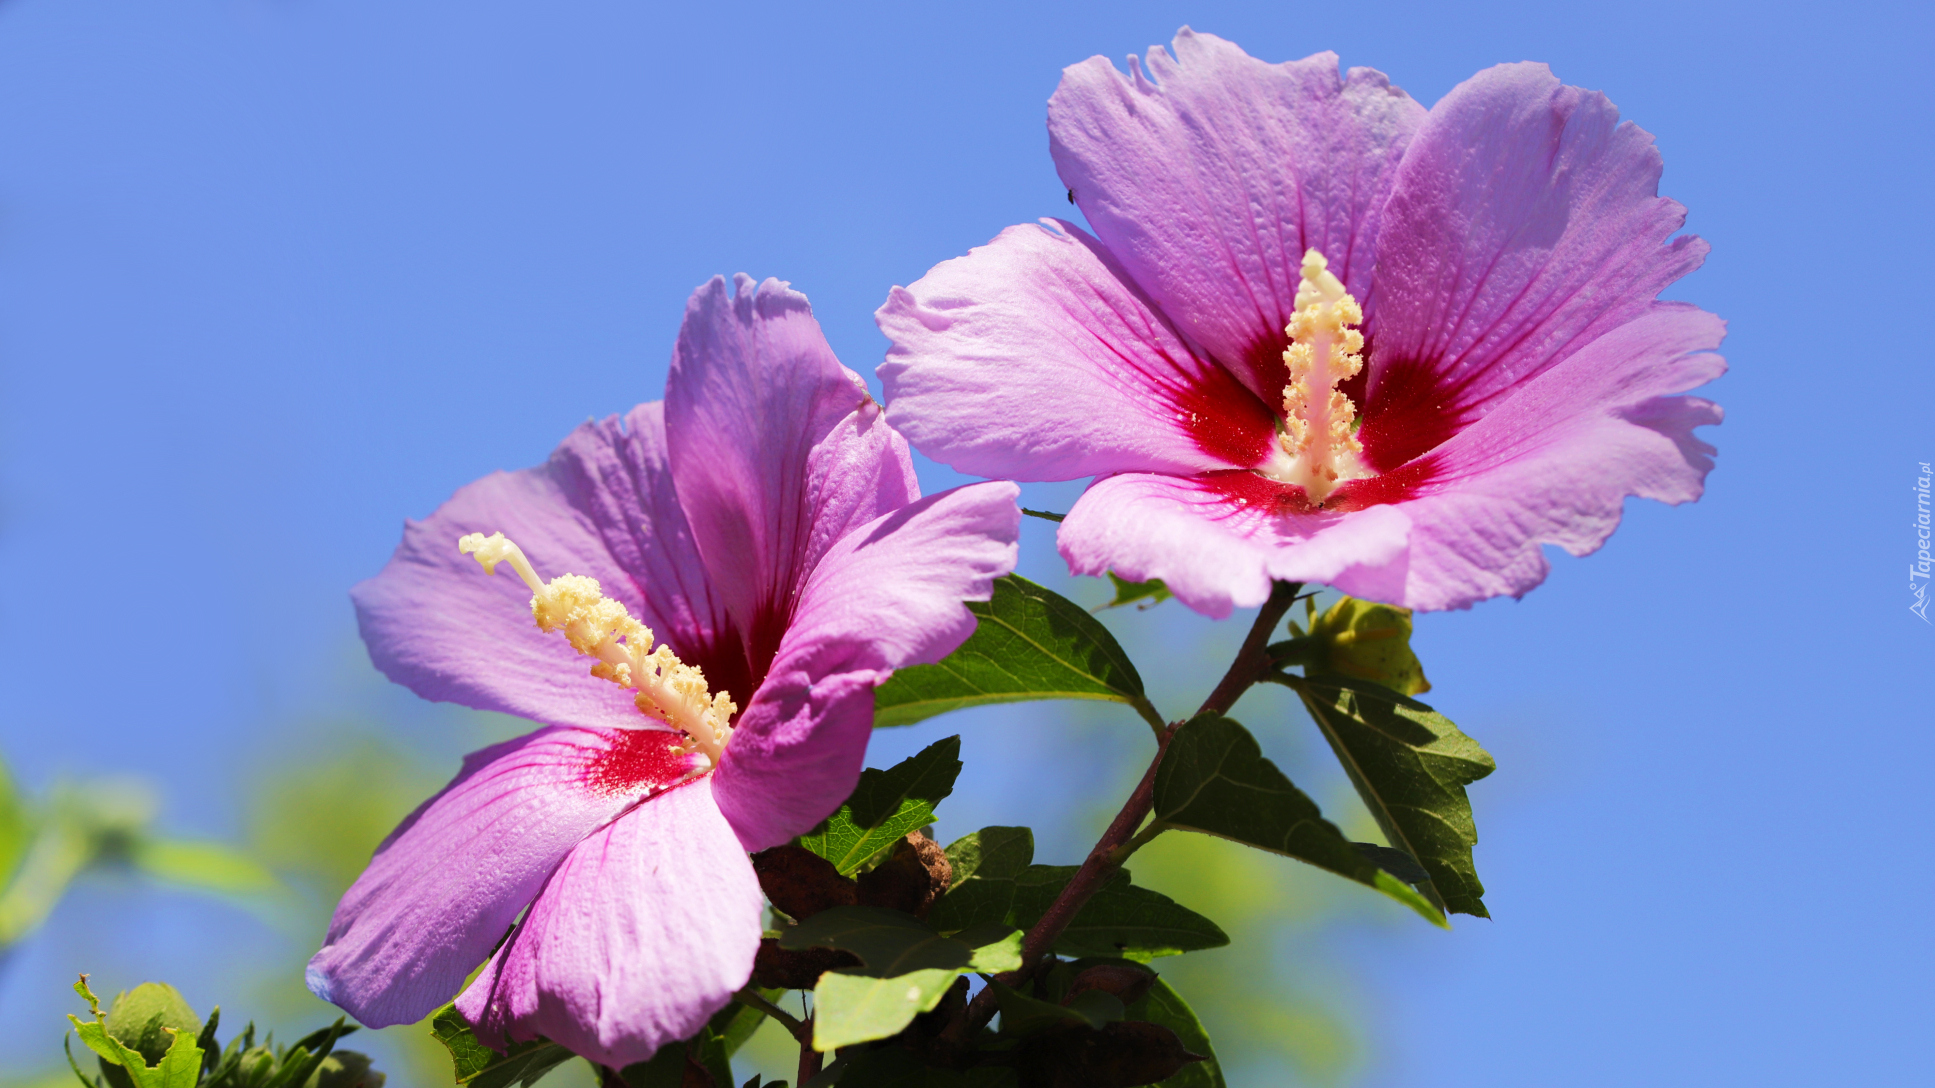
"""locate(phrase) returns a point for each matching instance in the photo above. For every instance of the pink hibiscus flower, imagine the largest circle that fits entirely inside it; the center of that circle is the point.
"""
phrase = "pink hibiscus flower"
(1322, 334)
(764, 522)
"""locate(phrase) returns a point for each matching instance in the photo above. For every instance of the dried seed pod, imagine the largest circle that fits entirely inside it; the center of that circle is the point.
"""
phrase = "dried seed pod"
(1124, 1054)
(910, 879)
(786, 969)
(801, 883)
(1127, 981)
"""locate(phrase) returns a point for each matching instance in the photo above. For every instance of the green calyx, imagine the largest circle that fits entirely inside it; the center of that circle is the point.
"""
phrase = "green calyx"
(345, 1069)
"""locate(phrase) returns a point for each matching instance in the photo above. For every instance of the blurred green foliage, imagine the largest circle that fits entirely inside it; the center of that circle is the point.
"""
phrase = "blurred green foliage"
(316, 819)
(95, 825)
(315, 815)
(46, 846)
(151, 1038)
(1267, 1000)
(58, 1078)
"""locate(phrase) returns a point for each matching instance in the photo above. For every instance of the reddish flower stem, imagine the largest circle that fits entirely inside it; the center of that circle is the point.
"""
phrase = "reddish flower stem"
(1251, 665)
(809, 1058)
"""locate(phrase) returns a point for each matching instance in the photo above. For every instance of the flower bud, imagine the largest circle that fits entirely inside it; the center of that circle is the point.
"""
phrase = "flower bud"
(1369, 641)
(141, 1018)
(910, 879)
(258, 1064)
(1127, 981)
(1122, 1054)
(345, 1069)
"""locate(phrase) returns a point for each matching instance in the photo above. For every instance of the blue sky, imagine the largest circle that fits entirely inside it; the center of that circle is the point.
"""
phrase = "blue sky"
(278, 275)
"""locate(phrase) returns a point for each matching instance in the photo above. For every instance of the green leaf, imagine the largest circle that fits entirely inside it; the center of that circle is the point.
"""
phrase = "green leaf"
(67, 1045)
(897, 1067)
(211, 1050)
(986, 863)
(1118, 920)
(93, 1003)
(1030, 643)
(992, 853)
(1151, 592)
(1214, 779)
(887, 941)
(205, 865)
(668, 1067)
(1045, 515)
(891, 943)
(304, 1058)
(1411, 767)
(665, 1069)
(715, 1055)
(1163, 1005)
(926, 776)
(1022, 1015)
(886, 805)
(736, 1023)
(96, 1038)
(1394, 861)
(479, 1066)
(327, 1038)
(997, 947)
(850, 1008)
(64, 843)
(242, 1063)
(181, 1066)
(906, 968)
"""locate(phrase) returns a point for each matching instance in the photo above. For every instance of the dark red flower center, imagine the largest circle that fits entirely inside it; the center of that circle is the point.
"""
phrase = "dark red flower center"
(638, 761)
(1410, 412)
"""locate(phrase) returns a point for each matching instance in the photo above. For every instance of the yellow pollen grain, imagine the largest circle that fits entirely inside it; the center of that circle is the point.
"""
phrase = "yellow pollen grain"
(597, 626)
(1326, 349)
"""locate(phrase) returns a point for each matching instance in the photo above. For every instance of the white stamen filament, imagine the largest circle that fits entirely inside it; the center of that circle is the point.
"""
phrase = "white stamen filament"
(667, 689)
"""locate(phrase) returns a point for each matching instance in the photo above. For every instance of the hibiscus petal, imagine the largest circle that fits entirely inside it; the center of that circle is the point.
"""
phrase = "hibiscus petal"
(1218, 549)
(1210, 182)
(1035, 357)
(1525, 222)
(777, 449)
(603, 507)
(442, 890)
(1554, 463)
(886, 596)
(645, 931)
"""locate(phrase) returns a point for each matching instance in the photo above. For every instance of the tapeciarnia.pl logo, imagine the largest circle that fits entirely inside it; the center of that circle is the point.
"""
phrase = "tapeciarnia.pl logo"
(1918, 571)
